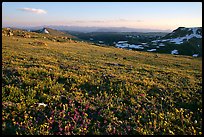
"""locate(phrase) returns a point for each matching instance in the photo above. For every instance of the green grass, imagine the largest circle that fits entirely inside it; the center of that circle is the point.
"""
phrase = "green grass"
(97, 90)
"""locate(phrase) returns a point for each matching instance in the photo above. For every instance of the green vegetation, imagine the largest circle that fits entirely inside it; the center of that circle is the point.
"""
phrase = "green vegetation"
(88, 89)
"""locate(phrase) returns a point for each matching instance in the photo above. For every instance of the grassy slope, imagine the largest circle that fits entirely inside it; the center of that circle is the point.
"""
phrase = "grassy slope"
(108, 90)
(58, 33)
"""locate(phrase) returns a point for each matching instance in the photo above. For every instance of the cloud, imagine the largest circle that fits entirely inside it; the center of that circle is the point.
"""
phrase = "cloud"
(38, 11)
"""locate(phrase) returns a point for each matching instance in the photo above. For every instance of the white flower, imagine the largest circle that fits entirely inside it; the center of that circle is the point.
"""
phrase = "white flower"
(42, 104)
(195, 122)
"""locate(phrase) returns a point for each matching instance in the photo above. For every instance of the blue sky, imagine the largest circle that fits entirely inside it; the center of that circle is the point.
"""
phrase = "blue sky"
(149, 15)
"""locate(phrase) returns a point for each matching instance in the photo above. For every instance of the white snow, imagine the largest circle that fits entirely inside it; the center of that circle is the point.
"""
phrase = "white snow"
(164, 40)
(177, 40)
(180, 40)
(157, 46)
(91, 39)
(174, 52)
(45, 31)
(121, 45)
(152, 50)
(101, 42)
(161, 45)
(136, 46)
(124, 44)
(195, 55)
(156, 41)
(121, 42)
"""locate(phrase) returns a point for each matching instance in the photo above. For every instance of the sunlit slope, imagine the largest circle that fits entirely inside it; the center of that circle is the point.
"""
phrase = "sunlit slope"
(97, 90)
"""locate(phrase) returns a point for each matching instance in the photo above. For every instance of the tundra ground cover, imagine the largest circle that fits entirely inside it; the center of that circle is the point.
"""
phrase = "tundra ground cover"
(89, 89)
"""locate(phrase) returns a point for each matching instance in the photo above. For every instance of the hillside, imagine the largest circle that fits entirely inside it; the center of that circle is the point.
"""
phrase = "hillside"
(53, 32)
(52, 35)
(185, 41)
(55, 87)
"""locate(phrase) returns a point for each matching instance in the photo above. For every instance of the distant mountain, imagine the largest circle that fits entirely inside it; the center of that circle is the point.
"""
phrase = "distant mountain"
(184, 34)
(184, 41)
(95, 29)
(126, 29)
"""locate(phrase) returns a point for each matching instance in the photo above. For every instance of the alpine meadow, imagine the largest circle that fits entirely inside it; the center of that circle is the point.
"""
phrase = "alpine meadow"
(57, 81)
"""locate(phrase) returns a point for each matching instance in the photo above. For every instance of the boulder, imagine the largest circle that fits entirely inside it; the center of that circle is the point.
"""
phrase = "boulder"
(10, 33)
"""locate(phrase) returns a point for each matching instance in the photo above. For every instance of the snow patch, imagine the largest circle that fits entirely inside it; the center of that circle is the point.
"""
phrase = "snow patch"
(161, 45)
(45, 31)
(136, 46)
(150, 50)
(174, 52)
(195, 55)
(121, 42)
(124, 44)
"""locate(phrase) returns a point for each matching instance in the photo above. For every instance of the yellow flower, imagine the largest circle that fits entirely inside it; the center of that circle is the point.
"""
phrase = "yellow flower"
(26, 116)
(171, 132)
(177, 111)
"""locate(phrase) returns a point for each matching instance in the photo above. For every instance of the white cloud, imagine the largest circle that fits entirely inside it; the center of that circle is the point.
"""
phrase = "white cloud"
(38, 11)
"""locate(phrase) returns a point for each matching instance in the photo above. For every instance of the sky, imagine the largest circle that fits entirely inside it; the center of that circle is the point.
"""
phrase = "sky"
(142, 15)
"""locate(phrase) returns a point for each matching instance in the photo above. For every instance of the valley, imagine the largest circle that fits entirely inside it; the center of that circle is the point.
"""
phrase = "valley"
(186, 41)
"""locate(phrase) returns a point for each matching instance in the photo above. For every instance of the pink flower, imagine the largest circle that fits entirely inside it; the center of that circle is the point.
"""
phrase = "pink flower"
(143, 110)
(60, 129)
(74, 117)
(142, 95)
(128, 128)
(87, 106)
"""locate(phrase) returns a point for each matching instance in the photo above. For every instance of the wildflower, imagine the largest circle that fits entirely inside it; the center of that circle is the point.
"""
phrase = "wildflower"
(171, 132)
(42, 104)
(176, 110)
(86, 114)
(142, 95)
(195, 122)
(128, 128)
(120, 122)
